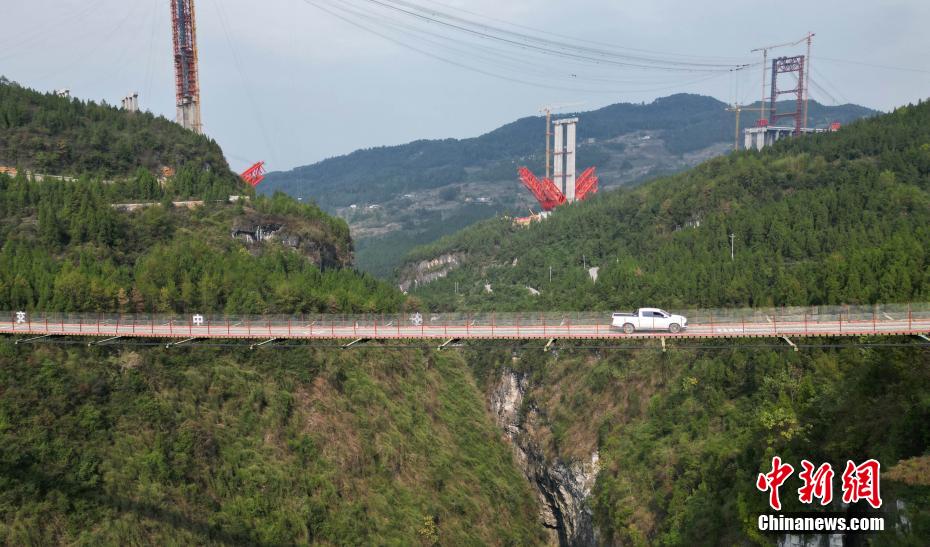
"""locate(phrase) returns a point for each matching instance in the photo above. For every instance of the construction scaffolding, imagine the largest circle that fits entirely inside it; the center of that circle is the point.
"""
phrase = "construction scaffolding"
(787, 65)
(186, 70)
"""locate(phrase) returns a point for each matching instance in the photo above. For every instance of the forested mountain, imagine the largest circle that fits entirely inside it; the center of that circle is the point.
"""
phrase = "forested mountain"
(54, 135)
(414, 193)
(132, 444)
(681, 435)
(65, 247)
(226, 446)
(825, 219)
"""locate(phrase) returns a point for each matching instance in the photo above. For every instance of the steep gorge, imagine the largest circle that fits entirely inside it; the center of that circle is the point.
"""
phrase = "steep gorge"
(562, 488)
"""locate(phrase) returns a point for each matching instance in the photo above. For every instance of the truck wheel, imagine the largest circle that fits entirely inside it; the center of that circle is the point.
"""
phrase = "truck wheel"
(674, 328)
(628, 328)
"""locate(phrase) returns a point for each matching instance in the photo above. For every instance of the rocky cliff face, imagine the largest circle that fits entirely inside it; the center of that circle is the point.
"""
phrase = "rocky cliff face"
(563, 488)
(258, 230)
(427, 271)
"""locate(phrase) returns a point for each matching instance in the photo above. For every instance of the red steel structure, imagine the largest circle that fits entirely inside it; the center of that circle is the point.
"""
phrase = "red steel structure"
(186, 70)
(254, 175)
(785, 65)
(548, 194)
(545, 191)
(586, 184)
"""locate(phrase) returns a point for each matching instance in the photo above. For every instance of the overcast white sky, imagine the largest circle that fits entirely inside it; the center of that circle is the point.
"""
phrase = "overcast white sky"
(287, 83)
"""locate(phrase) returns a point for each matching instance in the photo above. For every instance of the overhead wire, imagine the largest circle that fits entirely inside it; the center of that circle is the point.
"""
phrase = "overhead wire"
(128, 54)
(112, 31)
(256, 111)
(361, 26)
(44, 32)
(351, 16)
(149, 77)
(823, 91)
(732, 60)
(494, 56)
(569, 51)
(547, 45)
(835, 89)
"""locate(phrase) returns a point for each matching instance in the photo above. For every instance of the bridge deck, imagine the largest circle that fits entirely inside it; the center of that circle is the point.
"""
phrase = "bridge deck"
(796, 322)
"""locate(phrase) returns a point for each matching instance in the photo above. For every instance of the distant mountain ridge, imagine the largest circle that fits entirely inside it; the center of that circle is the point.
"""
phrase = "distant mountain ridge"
(421, 190)
(833, 218)
(689, 122)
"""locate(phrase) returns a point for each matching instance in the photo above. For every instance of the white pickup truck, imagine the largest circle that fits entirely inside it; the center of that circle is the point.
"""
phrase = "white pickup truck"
(649, 319)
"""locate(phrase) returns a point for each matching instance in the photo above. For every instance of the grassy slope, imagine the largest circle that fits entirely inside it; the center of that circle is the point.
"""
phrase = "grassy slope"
(273, 448)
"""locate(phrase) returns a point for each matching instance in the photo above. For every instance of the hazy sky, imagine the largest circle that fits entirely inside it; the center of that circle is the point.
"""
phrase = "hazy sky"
(285, 82)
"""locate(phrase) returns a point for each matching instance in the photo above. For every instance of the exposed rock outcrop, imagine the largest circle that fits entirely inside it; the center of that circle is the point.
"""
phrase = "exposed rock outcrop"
(259, 230)
(427, 271)
(563, 487)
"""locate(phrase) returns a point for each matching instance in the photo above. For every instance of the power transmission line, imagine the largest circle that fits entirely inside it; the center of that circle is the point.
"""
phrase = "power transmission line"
(731, 60)
(355, 18)
(550, 47)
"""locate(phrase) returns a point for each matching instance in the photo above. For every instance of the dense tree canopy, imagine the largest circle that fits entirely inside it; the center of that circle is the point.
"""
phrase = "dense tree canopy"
(64, 247)
(55, 135)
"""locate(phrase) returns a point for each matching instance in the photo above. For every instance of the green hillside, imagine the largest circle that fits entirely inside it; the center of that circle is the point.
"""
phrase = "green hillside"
(131, 444)
(65, 247)
(231, 447)
(429, 188)
(686, 123)
(833, 218)
(681, 434)
(44, 133)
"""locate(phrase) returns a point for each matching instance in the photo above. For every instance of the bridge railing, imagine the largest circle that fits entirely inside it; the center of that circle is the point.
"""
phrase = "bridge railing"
(736, 321)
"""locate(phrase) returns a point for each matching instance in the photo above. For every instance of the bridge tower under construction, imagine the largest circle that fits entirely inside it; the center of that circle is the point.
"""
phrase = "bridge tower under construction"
(186, 70)
(563, 157)
(564, 186)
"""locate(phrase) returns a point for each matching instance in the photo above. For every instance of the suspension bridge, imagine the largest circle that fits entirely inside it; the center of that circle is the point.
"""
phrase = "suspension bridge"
(784, 323)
